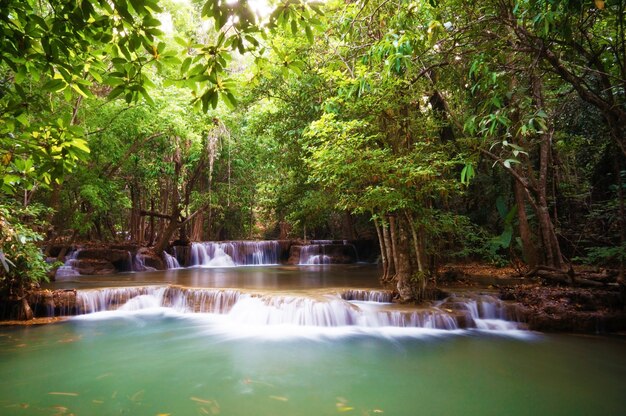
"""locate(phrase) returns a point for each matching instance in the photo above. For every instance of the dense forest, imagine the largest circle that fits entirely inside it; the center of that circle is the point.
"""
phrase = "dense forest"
(448, 131)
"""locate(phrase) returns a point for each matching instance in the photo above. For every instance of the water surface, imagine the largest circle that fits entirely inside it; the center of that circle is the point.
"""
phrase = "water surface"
(248, 277)
(162, 363)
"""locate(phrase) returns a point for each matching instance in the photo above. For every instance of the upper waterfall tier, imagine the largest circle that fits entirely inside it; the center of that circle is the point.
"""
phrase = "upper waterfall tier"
(234, 253)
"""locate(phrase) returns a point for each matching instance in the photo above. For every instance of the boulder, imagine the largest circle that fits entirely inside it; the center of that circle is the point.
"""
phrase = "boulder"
(94, 267)
(121, 260)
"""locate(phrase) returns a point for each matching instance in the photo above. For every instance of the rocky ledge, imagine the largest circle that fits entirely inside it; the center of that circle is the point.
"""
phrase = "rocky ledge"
(569, 309)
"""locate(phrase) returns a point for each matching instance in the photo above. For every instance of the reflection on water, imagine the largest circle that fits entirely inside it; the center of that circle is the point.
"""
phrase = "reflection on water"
(249, 277)
(184, 365)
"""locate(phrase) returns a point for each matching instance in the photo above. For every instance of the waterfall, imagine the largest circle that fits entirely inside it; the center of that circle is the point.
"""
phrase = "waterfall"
(485, 312)
(139, 264)
(184, 300)
(313, 254)
(379, 296)
(258, 310)
(68, 270)
(170, 261)
(235, 253)
(328, 252)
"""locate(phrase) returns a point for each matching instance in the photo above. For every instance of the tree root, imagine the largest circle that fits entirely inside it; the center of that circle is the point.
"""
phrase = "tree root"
(568, 277)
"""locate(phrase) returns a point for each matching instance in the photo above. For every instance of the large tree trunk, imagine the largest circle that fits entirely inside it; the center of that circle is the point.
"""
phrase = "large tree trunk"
(528, 246)
(403, 263)
(552, 248)
(165, 237)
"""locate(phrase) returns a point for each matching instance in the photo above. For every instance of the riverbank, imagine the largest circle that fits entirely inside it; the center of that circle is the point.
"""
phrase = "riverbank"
(546, 306)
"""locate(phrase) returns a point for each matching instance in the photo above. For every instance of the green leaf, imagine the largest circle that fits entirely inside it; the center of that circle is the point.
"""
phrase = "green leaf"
(309, 33)
(80, 144)
(54, 85)
(79, 90)
(229, 99)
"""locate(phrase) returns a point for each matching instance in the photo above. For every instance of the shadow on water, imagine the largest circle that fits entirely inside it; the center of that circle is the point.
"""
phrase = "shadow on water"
(245, 277)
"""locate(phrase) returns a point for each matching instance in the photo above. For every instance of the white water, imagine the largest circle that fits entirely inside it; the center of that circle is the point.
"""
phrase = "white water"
(139, 264)
(234, 253)
(313, 254)
(380, 296)
(247, 314)
(68, 270)
(171, 261)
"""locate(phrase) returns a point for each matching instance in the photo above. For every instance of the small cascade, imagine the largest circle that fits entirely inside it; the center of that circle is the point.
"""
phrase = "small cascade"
(183, 300)
(313, 254)
(485, 312)
(238, 308)
(379, 296)
(68, 270)
(171, 261)
(328, 252)
(139, 264)
(235, 253)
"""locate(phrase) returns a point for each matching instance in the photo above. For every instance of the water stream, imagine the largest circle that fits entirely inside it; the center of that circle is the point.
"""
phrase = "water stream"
(296, 341)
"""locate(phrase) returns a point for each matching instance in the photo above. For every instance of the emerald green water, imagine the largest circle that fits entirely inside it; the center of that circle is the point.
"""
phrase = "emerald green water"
(161, 363)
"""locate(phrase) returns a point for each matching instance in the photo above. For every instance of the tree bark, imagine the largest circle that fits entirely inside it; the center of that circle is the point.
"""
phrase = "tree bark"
(419, 255)
(403, 263)
(383, 250)
(391, 268)
(528, 247)
(552, 248)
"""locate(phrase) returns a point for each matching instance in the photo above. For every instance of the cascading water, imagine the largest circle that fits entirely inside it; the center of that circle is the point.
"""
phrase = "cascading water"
(183, 300)
(68, 270)
(235, 253)
(237, 308)
(139, 264)
(380, 296)
(328, 252)
(313, 254)
(171, 261)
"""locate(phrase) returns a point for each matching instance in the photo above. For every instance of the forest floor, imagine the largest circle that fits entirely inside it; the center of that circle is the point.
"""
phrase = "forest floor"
(545, 304)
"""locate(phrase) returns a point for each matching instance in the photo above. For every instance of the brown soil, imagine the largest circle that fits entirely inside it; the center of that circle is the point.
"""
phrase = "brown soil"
(545, 304)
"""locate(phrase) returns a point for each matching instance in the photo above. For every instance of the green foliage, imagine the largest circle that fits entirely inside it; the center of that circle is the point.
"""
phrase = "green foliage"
(604, 256)
(22, 260)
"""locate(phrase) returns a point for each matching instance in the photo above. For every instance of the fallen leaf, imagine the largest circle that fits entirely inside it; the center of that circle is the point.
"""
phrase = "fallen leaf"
(199, 400)
(137, 396)
(279, 398)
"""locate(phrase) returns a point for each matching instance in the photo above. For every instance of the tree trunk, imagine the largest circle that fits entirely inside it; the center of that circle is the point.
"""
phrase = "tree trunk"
(164, 238)
(391, 267)
(393, 236)
(151, 236)
(403, 263)
(552, 248)
(528, 247)
(383, 250)
(419, 255)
